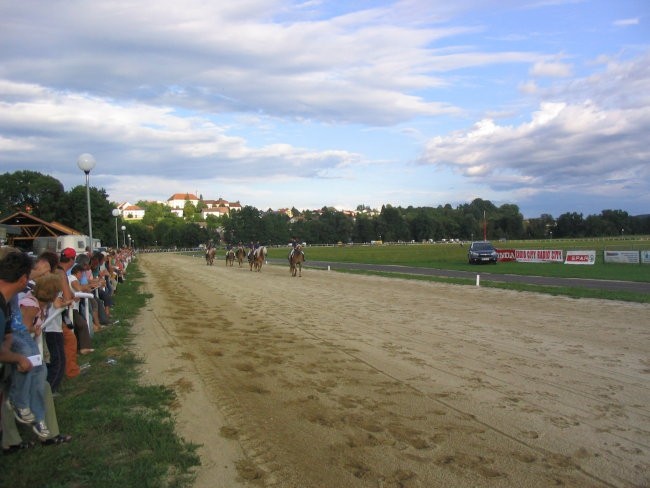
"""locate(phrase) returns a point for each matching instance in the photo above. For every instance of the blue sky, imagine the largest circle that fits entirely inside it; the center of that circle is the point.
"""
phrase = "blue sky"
(540, 103)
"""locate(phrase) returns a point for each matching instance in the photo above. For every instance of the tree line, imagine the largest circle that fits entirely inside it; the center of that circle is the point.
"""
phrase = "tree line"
(46, 198)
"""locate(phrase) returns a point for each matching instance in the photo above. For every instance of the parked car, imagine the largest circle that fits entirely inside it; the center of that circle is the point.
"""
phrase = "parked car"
(482, 252)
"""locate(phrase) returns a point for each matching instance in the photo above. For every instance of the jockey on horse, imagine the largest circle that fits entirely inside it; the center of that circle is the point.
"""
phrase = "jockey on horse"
(257, 257)
(230, 255)
(295, 247)
(253, 248)
(240, 254)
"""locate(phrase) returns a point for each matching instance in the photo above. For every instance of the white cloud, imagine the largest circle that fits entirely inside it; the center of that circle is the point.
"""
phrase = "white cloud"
(590, 146)
(528, 87)
(359, 67)
(142, 138)
(551, 69)
(626, 22)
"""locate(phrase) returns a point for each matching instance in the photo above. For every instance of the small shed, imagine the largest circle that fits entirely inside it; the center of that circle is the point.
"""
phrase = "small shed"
(26, 227)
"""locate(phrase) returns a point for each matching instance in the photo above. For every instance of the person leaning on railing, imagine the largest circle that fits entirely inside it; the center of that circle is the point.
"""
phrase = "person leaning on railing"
(12, 276)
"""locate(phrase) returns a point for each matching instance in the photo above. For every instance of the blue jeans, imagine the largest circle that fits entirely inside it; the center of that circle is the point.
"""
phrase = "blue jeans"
(27, 390)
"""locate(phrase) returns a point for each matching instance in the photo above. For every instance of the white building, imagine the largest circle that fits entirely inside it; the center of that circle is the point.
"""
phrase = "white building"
(129, 211)
(178, 200)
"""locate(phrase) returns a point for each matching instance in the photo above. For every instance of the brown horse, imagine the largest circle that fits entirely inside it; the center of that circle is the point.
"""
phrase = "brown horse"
(240, 254)
(209, 256)
(256, 260)
(230, 257)
(296, 258)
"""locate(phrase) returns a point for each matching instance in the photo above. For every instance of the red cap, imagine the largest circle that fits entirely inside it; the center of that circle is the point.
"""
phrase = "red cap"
(69, 253)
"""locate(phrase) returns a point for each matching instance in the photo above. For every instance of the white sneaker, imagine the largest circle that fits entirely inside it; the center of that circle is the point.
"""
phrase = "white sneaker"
(23, 415)
(41, 430)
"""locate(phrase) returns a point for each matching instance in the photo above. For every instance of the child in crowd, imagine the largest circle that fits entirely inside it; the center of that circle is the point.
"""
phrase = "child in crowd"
(26, 393)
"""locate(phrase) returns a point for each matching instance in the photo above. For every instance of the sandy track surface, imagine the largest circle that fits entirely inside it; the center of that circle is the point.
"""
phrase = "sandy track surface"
(336, 380)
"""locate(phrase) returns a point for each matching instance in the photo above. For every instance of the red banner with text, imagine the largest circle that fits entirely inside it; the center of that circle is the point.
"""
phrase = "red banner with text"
(539, 255)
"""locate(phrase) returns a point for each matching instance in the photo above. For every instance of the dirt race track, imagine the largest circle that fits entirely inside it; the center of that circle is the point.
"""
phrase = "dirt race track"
(338, 380)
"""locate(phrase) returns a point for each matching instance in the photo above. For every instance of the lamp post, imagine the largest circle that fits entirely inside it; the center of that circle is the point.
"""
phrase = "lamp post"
(123, 236)
(129, 236)
(116, 214)
(86, 162)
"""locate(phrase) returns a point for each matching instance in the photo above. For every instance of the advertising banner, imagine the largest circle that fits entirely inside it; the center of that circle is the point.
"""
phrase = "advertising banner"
(628, 257)
(645, 256)
(506, 254)
(539, 255)
(580, 257)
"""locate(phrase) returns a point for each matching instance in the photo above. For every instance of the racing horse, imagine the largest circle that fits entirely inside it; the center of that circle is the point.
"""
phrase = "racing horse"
(256, 260)
(296, 258)
(230, 257)
(209, 256)
(240, 254)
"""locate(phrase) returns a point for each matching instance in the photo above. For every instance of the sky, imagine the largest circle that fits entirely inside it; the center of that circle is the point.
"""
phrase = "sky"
(277, 104)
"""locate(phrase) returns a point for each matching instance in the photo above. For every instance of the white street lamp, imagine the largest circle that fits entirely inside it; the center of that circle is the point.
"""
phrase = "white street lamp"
(116, 214)
(129, 236)
(123, 236)
(86, 162)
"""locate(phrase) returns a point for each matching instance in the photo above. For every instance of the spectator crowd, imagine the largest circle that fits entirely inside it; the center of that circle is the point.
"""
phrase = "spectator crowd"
(51, 306)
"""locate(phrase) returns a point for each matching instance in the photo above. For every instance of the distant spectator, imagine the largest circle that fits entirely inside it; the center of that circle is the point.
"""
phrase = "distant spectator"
(79, 322)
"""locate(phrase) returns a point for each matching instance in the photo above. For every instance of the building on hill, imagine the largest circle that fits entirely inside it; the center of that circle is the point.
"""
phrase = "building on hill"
(130, 212)
(212, 207)
(178, 200)
(222, 203)
(285, 211)
(216, 211)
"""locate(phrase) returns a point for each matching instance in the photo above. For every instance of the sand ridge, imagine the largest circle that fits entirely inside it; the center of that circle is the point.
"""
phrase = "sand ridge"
(334, 380)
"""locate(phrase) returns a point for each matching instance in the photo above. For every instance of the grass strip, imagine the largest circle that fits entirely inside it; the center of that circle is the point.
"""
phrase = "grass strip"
(123, 432)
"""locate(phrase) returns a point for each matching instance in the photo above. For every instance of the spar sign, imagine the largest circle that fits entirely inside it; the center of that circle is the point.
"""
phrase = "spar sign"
(580, 257)
(539, 255)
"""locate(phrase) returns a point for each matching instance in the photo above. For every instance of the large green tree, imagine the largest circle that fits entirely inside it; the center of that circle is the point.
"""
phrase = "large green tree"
(244, 225)
(509, 222)
(570, 224)
(29, 191)
(276, 228)
(364, 229)
(76, 213)
(154, 211)
(391, 225)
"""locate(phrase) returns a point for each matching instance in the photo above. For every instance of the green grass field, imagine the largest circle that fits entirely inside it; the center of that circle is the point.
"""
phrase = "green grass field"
(454, 256)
